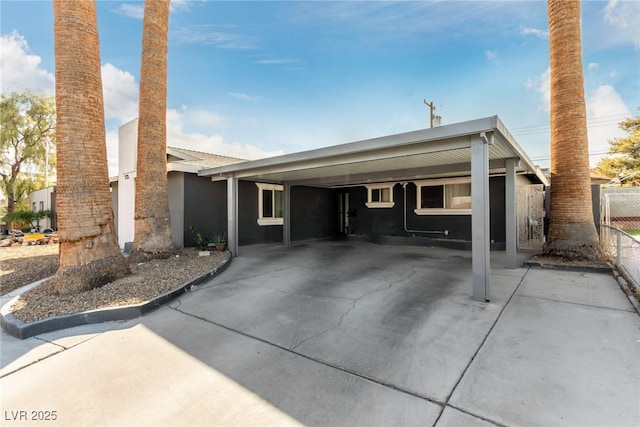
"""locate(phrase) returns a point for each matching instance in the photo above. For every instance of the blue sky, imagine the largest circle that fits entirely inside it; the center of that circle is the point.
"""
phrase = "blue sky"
(253, 79)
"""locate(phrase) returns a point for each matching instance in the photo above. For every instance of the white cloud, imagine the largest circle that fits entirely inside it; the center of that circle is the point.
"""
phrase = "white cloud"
(624, 16)
(192, 128)
(592, 66)
(542, 85)
(19, 69)
(180, 5)
(490, 54)
(202, 119)
(542, 34)
(120, 94)
(277, 61)
(136, 10)
(244, 96)
(605, 109)
(131, 10)
(212, 35)
(178, 136)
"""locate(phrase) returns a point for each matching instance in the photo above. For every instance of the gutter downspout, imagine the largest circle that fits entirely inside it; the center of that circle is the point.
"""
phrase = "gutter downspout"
(445, 232)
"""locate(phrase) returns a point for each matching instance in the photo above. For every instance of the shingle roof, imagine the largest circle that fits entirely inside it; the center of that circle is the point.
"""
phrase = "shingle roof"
(200, 159)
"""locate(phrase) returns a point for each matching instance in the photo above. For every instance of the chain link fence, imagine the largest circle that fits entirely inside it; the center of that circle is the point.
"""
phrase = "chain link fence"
(620, 230)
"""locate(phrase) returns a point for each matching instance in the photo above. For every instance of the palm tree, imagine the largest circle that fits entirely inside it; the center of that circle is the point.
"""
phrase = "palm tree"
(89, 254)
(572, 232)
(152, 237)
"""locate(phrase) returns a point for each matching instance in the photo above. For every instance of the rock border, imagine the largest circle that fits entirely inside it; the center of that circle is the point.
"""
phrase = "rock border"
(22, 330)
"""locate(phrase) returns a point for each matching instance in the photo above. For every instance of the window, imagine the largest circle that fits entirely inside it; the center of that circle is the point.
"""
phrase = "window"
(33, 209)
(269, 204)
(443, 197)
(380, 196)
(41, 206)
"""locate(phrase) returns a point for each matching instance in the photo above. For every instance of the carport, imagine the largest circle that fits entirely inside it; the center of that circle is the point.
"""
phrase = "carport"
(478, 148)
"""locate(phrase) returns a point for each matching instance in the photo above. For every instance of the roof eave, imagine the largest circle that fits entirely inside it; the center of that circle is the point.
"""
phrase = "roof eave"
(446, 132)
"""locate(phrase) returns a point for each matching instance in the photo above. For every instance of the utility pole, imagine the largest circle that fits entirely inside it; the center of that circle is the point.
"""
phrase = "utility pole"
(432, 117)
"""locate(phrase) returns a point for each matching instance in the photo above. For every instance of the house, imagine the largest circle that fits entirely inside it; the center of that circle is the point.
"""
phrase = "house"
(467, 185)
(194, 201)
(44, 200)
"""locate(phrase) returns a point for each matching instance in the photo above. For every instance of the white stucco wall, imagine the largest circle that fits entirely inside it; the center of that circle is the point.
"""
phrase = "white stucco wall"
(42, 199)
(127, 158)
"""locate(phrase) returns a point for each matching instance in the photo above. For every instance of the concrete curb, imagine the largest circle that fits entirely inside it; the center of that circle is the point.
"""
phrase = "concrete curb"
(19, 329)
(569, 267)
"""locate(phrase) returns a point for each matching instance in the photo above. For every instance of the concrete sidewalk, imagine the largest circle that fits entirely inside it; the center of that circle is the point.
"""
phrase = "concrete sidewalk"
(345, 334)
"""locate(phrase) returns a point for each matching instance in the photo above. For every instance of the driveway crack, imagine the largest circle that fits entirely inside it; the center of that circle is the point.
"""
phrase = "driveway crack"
(353, 306)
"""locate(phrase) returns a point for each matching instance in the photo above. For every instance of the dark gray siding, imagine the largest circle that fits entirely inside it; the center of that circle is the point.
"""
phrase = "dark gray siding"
(249, 232)
(205, 207)
(595, 203)
(314, 213)
(390, 221)
(496, 206)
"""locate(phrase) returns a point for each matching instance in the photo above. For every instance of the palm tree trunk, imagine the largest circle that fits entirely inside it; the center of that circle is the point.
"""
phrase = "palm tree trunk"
(572, 232)
(152, 238)
(89, 254)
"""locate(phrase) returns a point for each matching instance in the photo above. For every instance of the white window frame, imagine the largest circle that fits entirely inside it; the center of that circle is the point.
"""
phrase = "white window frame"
(439, 211)
(271, 220)
(371, 204)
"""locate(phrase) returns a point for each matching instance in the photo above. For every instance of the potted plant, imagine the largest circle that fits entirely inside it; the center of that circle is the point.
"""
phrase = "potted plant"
(198, 238)
(220, 241)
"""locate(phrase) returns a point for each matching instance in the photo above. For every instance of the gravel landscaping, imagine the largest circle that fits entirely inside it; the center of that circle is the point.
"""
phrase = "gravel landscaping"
(23, 265)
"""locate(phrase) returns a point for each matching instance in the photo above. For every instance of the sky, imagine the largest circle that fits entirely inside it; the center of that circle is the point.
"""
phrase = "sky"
(262, 78)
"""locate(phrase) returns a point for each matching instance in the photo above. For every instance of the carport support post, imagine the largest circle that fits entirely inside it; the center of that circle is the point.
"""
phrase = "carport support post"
(232, 215)
(480, 231)
(286, 213)
(510, 213)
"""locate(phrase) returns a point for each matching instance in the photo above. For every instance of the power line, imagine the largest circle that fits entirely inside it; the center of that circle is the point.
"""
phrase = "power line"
(591, 154)
(598, 122)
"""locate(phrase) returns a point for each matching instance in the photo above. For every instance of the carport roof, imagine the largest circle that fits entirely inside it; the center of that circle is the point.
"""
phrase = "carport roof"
(443, 151)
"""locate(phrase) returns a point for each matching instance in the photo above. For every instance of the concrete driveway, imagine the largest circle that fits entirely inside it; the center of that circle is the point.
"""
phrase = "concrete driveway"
(333, 333)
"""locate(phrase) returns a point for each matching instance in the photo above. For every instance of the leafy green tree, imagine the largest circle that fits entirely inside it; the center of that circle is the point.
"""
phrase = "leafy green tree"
(23, 218)
(624, 164)
(27, 140)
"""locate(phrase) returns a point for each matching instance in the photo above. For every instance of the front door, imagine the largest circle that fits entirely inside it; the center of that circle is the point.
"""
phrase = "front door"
(343, 203)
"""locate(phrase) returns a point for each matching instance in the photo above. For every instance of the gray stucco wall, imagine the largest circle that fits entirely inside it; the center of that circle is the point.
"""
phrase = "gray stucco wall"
(314, 213)
(205, 207)
(175, 186)
(249, 232)
(390, 221)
